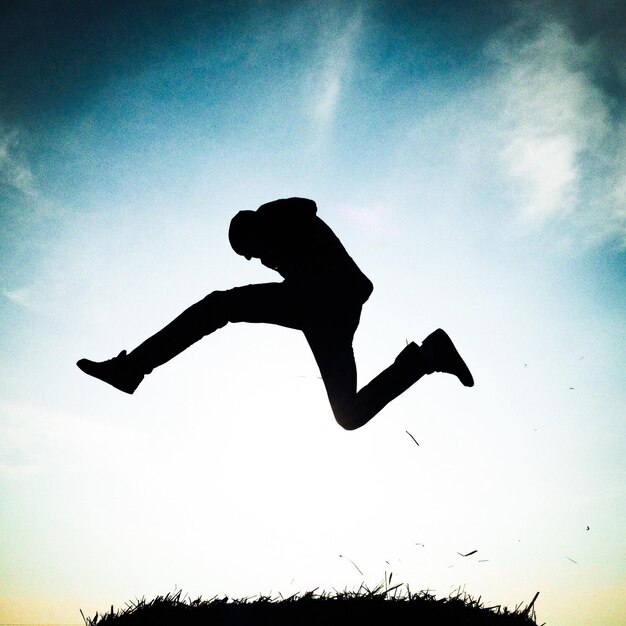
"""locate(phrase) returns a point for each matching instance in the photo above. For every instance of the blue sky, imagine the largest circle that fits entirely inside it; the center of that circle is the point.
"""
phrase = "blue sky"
(471, 158)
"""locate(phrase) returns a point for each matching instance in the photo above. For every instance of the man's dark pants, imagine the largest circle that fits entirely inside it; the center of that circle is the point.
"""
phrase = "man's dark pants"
(327, 315)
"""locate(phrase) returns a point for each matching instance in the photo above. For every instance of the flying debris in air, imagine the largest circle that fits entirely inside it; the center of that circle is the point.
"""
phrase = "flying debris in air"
(410, 435)
(572, 560)
(353, 563)
(588, 528)
(571, 387)
(468, 554)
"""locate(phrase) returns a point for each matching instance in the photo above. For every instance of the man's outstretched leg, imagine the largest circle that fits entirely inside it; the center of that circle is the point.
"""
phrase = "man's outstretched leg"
(271, 303)
(126, 371)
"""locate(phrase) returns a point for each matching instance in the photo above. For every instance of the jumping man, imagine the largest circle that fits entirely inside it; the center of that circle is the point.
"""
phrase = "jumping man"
(322, 295)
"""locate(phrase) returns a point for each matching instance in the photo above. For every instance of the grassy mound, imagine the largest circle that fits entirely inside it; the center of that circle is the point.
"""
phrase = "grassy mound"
(379, 606)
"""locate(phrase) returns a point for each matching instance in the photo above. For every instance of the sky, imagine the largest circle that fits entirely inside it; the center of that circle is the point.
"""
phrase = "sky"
(471, 157)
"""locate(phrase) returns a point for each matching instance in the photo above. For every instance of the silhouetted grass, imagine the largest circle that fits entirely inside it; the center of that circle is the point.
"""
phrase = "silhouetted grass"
(382, 606)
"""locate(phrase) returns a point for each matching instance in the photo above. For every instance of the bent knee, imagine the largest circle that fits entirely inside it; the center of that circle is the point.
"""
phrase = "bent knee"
(348, 420)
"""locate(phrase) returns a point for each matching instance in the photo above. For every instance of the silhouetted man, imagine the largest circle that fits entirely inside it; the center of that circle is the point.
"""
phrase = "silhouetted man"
(322, 295)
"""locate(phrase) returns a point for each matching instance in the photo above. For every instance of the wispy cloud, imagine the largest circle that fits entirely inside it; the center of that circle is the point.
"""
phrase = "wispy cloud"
(21, 297)
(563, 148)
(334, 66)
(14, 170)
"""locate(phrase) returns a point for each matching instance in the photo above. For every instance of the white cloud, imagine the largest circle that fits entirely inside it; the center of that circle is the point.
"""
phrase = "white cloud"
(336, 59)
(547, 167)
(562, 149)
(21, 297)
(552, 113)
(14, 171)
(41, 296)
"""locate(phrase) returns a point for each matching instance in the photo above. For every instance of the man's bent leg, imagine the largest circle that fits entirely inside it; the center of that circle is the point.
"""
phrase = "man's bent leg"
(408, 367)
(352, 410)
(436, 354)
(330, 339)
(335, 359)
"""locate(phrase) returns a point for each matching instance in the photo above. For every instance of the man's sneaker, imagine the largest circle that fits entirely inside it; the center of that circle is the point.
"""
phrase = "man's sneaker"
(118, 371)
(441, 356)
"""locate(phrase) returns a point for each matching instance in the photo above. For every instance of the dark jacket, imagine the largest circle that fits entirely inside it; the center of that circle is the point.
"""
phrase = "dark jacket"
(303, 249)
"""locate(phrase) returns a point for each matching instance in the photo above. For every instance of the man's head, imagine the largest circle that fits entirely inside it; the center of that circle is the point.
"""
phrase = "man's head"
(243, 234)
(259, 233)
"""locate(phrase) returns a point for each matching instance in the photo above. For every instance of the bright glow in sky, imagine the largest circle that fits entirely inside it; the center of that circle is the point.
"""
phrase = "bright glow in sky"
(472, 160)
